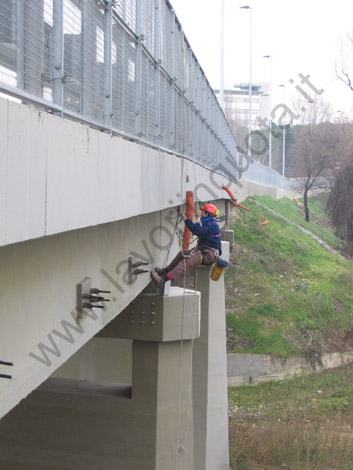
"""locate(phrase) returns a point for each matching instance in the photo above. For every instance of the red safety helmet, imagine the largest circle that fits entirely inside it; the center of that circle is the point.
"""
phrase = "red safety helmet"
(211, 209)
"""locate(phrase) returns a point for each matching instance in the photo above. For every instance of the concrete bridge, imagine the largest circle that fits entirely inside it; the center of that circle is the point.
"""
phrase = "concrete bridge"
(105, 137)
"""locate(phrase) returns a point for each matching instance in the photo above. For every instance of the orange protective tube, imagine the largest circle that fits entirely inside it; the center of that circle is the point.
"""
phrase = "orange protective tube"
(233, 199)
(229, 192)
(239, 205)
(189, 215)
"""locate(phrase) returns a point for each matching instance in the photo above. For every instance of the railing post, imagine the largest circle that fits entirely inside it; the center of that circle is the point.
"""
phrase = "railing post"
(172, 84)
(182, 75)
(124, 73)
(108, 17)
(157, 72)
(58, 72)
(191, 123)
(20, 44)
(209, 120)
(85, 57)
(197, 123)
(137, 120)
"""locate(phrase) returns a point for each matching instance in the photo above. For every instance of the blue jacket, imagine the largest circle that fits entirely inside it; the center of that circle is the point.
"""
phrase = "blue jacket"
(208, 232)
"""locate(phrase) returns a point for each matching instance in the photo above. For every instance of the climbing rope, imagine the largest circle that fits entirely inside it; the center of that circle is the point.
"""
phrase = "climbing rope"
(189, 388)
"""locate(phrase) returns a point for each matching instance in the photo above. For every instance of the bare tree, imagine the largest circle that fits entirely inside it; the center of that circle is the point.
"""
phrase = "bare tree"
(313, 111)
(313, 154)
(340, 205)
(344, 63)
(344, 150)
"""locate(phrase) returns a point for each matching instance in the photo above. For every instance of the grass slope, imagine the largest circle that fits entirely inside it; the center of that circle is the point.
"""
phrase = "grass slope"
(298, 424)
(285, 293)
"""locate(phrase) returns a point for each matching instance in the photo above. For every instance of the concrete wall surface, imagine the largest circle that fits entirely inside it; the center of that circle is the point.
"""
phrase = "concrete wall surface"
(57, 175)
(245, 369)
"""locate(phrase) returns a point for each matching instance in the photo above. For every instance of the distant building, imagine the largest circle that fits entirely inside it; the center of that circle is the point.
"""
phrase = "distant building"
(236, 103)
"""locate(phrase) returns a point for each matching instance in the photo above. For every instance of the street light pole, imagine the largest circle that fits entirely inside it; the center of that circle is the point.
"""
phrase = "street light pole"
(221, 86)
(284, 134)
(247, 7)
(269, 113)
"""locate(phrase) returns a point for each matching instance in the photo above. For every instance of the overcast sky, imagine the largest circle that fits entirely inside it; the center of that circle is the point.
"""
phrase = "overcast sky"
(301, 36)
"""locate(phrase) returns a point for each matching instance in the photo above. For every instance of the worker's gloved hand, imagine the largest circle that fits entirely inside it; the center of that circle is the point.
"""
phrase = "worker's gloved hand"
(180, 214)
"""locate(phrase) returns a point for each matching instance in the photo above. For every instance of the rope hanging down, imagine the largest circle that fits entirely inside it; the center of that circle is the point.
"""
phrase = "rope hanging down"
(178, 446)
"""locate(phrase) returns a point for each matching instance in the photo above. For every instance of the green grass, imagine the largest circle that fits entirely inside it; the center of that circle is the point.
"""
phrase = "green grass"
(329, 392)
(317, 206)
(298, 424)
(285, 293)
(318, 225)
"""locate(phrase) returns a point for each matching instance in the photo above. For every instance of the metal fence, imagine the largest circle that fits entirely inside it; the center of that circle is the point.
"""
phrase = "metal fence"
(261, 174)
(124, 65)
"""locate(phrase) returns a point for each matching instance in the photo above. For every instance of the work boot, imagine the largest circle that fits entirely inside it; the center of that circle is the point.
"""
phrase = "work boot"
(159, 281)
(161, 271)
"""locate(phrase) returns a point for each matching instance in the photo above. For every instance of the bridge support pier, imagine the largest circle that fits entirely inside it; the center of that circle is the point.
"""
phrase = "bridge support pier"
(228, 236)
(210, 375)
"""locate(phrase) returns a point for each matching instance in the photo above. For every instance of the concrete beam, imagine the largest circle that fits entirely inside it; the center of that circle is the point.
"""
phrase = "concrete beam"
(145, 318)
(83, 177)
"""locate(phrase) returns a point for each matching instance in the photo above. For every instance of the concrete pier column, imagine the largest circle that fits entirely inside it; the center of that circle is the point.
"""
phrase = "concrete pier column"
(227, 214)
(210, 375)
(228, 236)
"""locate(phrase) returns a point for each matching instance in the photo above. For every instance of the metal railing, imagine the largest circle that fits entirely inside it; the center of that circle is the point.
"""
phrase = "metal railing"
(124, 66)
(261, 174)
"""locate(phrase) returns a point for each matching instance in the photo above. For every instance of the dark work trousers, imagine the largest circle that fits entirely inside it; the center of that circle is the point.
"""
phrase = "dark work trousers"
(180, 264)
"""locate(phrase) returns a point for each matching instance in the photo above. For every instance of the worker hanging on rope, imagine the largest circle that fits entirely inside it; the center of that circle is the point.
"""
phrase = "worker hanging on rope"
(206, 252)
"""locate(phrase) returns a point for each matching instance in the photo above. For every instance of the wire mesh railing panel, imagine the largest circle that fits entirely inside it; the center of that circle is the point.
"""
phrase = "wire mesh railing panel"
(8, 43)
(150, 100)
(118, 75)
(186, 69)
(31, 32)
(72, 65)
(129, 13)
(92, 60)
(129, 81)
(179, 58)
(165, 111)
(143, 108)
(179, 122)
(166, 18)
(260, 174)
(47, 77)
(148, 24)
